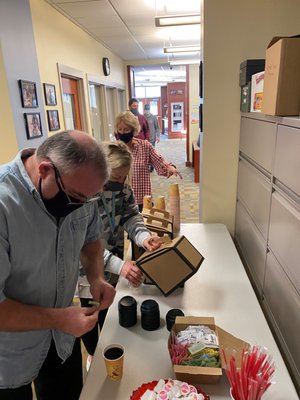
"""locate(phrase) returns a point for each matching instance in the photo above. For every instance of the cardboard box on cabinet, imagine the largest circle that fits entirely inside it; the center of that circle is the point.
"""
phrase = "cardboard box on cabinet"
(209, 375)
(282, 77)
(171, 265)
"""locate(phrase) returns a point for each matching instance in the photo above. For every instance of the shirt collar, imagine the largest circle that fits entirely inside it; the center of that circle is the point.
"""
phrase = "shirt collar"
(22, 155)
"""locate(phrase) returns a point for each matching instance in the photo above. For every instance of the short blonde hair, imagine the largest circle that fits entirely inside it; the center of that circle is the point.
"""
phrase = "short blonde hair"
(118, 154)
(129, 120)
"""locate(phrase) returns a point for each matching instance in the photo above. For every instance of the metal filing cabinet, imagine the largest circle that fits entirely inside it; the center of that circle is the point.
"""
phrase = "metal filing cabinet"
(267, 229)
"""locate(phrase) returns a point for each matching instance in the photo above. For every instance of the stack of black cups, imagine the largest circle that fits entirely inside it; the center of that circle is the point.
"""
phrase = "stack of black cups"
(150, 315)
(171, 316)
(127, 311)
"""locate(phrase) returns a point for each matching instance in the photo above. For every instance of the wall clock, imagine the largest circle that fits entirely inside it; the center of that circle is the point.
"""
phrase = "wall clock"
(106, 66)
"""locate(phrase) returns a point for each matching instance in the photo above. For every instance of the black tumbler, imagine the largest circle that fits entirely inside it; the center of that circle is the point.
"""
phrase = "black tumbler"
(127, 311)
(150, 315)
(171, 316)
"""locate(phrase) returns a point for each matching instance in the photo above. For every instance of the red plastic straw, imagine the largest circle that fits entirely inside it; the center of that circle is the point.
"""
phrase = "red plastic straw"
(253, 378)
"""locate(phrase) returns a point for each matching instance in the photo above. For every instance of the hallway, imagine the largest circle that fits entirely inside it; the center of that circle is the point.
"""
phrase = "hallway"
(173, 150)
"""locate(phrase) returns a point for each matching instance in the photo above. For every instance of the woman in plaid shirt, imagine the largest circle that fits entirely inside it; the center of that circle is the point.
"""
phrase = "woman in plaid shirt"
(144, 154)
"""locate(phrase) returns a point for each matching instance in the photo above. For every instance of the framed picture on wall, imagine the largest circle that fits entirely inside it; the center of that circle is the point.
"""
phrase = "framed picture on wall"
(50, 94)
(53, 120)
(28, 94)
(33, 125)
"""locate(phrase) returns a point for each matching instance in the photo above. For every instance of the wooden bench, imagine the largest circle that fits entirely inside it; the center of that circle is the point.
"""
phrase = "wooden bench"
(196, 161)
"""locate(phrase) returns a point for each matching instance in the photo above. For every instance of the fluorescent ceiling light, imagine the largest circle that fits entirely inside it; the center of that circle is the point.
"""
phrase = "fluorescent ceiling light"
(172, 20)
(183, 62)
(181, 49)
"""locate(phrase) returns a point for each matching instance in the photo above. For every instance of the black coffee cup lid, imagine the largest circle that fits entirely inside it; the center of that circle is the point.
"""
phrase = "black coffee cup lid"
(149, 305)
(127, 301)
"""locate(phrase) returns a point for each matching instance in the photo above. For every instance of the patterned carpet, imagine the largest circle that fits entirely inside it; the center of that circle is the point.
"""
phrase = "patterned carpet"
(173, 150)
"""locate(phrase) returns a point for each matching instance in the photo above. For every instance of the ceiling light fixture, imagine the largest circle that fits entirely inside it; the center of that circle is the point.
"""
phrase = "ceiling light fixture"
(183, 62)
(174, 20)
(181, 49)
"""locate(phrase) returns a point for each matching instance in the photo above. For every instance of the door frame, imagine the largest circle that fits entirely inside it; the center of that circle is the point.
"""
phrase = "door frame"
(79, 76)
(104, 85)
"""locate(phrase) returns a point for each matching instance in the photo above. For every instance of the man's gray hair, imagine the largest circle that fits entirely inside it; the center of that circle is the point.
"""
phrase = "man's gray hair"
(68, 153)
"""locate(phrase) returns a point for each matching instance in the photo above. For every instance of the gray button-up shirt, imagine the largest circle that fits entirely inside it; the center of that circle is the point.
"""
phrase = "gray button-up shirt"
(38, 265)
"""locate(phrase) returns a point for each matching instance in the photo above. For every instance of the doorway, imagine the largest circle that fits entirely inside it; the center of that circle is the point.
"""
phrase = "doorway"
(71, 103)
(96, 109)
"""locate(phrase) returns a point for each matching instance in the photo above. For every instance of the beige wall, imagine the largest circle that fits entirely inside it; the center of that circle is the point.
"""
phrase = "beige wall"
(233, 32)
(8, 142)
(193, 103)
(59, 40)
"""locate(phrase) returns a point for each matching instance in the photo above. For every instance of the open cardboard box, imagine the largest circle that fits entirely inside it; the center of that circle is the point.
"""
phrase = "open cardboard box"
(281, 94)
(226, 340)
(171, 265)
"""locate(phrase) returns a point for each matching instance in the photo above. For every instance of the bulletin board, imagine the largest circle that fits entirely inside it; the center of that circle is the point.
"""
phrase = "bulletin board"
(177, 117)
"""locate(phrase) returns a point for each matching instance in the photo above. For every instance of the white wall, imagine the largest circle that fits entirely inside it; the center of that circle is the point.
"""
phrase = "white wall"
(234, 30)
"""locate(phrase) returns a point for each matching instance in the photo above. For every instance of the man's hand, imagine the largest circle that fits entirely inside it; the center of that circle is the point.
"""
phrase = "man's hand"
(132, 273)
(76, 320)
(102, 292)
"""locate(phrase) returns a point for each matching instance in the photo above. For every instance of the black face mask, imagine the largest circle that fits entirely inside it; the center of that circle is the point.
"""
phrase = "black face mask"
(125, 137)
(113, 186)
(59, 206)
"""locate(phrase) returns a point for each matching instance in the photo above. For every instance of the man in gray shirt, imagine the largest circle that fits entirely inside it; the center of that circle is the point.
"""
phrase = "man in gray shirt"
(48, 221)
(153, 125)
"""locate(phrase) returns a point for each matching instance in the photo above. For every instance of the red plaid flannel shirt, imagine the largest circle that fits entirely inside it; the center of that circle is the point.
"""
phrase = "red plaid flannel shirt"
(144, 154)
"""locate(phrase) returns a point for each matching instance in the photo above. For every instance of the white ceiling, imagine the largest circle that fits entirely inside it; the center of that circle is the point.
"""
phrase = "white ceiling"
(127, 28)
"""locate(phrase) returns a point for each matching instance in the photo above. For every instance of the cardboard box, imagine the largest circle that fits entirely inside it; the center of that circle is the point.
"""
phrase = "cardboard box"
(282, 77)
(159, 221)
(257, 87)
(248, 68)
(171, 265)
(226, 340)
(245, 98)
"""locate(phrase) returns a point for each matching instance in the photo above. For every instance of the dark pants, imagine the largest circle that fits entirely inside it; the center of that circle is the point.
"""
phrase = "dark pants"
(55, 380)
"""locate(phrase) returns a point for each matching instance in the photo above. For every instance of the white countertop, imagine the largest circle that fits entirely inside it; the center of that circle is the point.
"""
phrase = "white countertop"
(220, 289)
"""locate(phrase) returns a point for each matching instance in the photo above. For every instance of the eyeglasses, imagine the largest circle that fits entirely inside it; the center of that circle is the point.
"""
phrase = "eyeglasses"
(71, 199)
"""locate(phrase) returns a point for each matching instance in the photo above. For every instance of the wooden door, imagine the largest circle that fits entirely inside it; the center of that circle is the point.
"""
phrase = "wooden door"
(71, 103)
